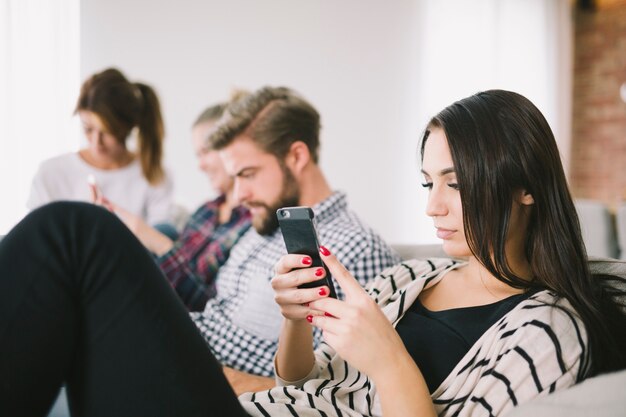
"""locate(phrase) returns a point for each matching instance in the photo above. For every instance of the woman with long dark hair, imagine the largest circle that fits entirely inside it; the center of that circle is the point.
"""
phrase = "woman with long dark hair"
(507, 147)
(522, 316)
(513, 314)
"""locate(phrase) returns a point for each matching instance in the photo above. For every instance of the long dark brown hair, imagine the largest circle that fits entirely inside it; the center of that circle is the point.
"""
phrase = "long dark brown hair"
(122, 105)
(500, 144)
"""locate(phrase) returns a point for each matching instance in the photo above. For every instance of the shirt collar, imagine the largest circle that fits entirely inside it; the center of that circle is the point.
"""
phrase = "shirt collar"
(328, 208)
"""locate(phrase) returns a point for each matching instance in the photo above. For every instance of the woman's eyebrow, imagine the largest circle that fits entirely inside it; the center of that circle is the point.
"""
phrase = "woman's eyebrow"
(443, 172)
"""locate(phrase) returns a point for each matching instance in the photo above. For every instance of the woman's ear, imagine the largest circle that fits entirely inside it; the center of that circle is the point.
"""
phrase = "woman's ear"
(298, 157)
(525, 198)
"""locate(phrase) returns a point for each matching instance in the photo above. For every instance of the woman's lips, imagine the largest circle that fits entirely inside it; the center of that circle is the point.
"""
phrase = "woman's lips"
(444, 233)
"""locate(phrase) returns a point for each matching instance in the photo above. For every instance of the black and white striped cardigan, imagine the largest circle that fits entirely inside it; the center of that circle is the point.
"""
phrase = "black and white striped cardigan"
(537, 348)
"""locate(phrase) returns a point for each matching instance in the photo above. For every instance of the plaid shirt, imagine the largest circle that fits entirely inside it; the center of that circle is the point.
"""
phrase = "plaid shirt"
(202, 248)
(242, 322)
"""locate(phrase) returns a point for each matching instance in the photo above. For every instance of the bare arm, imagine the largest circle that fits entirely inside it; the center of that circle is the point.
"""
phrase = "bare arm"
(403, 390)
(244, 382)
(295, 358)
(155, 241)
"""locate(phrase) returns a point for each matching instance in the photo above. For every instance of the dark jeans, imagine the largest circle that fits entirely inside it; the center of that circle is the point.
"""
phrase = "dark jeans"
(83, 303)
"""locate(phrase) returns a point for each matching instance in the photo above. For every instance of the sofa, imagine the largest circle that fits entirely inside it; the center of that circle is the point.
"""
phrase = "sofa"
(603, 228)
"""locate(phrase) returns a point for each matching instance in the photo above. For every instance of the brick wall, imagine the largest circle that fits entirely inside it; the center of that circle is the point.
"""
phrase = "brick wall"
(598, 164)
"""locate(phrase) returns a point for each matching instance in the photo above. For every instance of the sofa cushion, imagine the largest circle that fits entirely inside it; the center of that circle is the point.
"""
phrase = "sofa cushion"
(608, 266)
(596, 224)
(601, 396)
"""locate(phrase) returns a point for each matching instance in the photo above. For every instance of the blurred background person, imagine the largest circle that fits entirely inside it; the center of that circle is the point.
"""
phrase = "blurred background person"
(191, 261)
(110, 107)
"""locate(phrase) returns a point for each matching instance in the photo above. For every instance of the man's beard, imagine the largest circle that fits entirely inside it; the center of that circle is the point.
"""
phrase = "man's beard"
(267, 223)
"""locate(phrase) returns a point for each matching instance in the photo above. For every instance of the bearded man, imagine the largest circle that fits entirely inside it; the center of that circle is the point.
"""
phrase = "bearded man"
(269, 144)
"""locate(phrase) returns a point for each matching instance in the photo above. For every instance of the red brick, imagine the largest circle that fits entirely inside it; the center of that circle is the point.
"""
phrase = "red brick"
(598, 158)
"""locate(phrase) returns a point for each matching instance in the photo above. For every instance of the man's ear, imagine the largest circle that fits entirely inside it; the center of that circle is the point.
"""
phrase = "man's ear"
(525, 198)
(298, 157)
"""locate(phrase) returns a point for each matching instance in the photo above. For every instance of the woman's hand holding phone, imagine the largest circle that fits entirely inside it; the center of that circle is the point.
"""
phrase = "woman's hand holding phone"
(295, 358)
(96, 194)
(152, 239)
(357, 328)
(292, 271)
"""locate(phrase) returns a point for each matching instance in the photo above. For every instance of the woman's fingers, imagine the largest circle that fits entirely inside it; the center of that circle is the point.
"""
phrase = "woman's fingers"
(288, 263)
(297, 278)
(107, 204)
(328, 325)
(331, 307)
(293, 272)
(99, 199)
(344, 278)
(94, 193)
(299, 296)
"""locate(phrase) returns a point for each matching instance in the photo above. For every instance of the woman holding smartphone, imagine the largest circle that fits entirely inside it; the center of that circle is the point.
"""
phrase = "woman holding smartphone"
(110, 107)
(520, 317)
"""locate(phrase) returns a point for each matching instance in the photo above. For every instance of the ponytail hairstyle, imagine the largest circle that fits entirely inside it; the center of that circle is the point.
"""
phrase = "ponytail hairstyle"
(122, 105)
(500, 144)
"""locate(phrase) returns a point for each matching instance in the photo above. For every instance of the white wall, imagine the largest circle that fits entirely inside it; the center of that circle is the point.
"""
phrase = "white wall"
(375, 70)
(39, 81)
(349, 58)
(462, 47)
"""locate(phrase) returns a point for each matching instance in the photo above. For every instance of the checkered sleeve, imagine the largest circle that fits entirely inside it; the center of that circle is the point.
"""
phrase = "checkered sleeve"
(358, 248)
(179, 263)
(377, 257)
(233, 346)
(192, 289)
(242, 323)
(192, 264)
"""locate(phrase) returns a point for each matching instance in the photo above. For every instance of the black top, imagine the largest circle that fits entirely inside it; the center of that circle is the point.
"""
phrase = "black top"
(438, 340)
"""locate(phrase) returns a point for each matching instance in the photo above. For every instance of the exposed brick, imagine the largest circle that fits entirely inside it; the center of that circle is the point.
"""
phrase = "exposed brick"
(598, 154)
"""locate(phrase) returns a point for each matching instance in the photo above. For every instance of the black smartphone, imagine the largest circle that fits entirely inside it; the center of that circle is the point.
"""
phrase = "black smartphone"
(296, 225)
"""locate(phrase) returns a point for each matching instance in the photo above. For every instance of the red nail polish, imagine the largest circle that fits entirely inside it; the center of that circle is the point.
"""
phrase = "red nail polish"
(306, 261)
(328, 314)
(322, 291)
(309, 319)
(324, 251)
(319, 272)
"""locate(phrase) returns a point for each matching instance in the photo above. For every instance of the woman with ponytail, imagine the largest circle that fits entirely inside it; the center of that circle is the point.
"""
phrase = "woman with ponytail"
(110, 107)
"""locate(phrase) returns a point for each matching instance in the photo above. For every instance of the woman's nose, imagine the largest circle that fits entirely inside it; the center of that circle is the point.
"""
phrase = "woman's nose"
(436, 205)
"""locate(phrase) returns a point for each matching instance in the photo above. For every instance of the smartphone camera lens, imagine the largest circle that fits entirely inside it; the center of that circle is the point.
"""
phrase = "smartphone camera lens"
(285, 213)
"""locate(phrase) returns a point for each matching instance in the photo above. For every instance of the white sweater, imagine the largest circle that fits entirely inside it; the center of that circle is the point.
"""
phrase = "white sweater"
(64, 177)
(534, 349)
